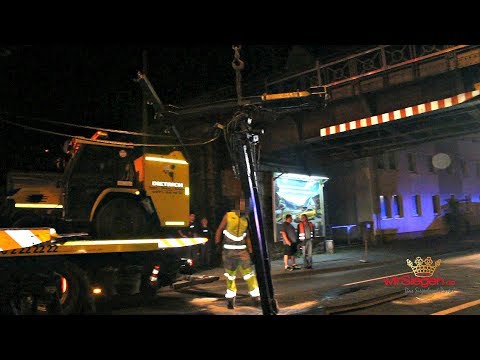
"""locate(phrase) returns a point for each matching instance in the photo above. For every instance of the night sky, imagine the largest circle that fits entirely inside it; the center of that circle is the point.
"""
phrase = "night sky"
(73, 80)
(93, 84)
(48, 78)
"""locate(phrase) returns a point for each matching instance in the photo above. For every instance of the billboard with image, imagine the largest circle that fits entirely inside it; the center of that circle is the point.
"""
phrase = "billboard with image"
(298, 194)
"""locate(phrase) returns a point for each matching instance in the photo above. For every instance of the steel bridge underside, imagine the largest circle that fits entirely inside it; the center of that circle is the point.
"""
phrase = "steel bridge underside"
(457, 121)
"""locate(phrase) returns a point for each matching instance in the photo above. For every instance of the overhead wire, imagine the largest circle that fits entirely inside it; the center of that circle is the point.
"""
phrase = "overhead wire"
(230, 128)
(125, 132)
(108, 141)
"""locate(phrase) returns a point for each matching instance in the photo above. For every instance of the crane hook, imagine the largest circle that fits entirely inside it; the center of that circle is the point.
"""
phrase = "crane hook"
(237, 63)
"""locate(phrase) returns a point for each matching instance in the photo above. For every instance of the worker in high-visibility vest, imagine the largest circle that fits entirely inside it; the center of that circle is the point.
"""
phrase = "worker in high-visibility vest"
(305, 235)
(237, 248)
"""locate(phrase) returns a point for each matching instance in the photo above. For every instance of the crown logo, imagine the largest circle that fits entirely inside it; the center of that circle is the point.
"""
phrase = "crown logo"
(423, 268)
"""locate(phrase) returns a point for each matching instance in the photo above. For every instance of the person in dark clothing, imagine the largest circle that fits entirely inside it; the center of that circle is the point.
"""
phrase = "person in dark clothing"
(305, 235)
(207, 250)
(289, 237)
(191, 231)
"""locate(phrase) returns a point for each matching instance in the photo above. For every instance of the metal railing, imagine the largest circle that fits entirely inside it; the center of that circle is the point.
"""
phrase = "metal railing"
(356, 67)
(368, 63)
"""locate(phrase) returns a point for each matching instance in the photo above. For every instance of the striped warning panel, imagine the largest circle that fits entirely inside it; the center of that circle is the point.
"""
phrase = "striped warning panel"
(82, 247)
(159, 243)
(20, 238)
(399, 114)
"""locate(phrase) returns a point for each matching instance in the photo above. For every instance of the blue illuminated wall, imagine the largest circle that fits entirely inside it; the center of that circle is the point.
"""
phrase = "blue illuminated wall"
(414, 192)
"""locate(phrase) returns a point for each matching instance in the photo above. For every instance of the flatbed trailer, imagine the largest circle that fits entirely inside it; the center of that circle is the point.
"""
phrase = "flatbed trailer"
(42, 272)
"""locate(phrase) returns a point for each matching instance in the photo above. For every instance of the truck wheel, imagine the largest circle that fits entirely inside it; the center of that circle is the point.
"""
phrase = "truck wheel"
(72, 290)
(121, 218)
(62, 289)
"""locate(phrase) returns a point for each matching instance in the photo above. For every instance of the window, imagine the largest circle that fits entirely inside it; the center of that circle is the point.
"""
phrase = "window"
(392, 161)
(436, 204)
(416, 205)
(412, 165)
(385, 211)
(478, 168)
(397, 206)
(95, 161)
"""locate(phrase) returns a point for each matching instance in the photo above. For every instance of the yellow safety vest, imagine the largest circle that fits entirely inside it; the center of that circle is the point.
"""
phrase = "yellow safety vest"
(236, 230)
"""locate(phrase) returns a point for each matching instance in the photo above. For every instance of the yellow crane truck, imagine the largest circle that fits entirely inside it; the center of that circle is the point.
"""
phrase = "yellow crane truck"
(129, 203)
(107, 189)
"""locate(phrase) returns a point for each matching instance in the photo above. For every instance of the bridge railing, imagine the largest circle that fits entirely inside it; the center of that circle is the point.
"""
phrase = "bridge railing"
(390, 60)
(377, 61)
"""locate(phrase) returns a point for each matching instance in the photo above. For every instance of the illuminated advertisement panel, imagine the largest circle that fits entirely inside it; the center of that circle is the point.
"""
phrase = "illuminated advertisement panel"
(297, 194)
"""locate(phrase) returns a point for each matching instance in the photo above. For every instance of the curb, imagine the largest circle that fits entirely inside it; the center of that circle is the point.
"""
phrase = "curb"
(364, 265)
(320, 270)
(317, 270)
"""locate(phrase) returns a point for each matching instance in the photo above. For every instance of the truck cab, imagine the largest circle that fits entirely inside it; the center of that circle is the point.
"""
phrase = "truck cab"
(109, 189)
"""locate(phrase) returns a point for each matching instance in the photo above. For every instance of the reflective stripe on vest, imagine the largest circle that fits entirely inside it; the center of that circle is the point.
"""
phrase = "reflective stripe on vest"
(233, 237)
(308, 231)
(234, 247)
(305, 231)
(236, 225)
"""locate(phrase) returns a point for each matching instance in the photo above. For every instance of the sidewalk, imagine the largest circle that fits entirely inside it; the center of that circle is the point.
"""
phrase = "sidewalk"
(353, 257)
(341, 259)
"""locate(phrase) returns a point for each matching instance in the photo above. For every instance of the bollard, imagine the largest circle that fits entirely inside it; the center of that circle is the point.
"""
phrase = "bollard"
(366, 231)
(365, 254)
(329, 246)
